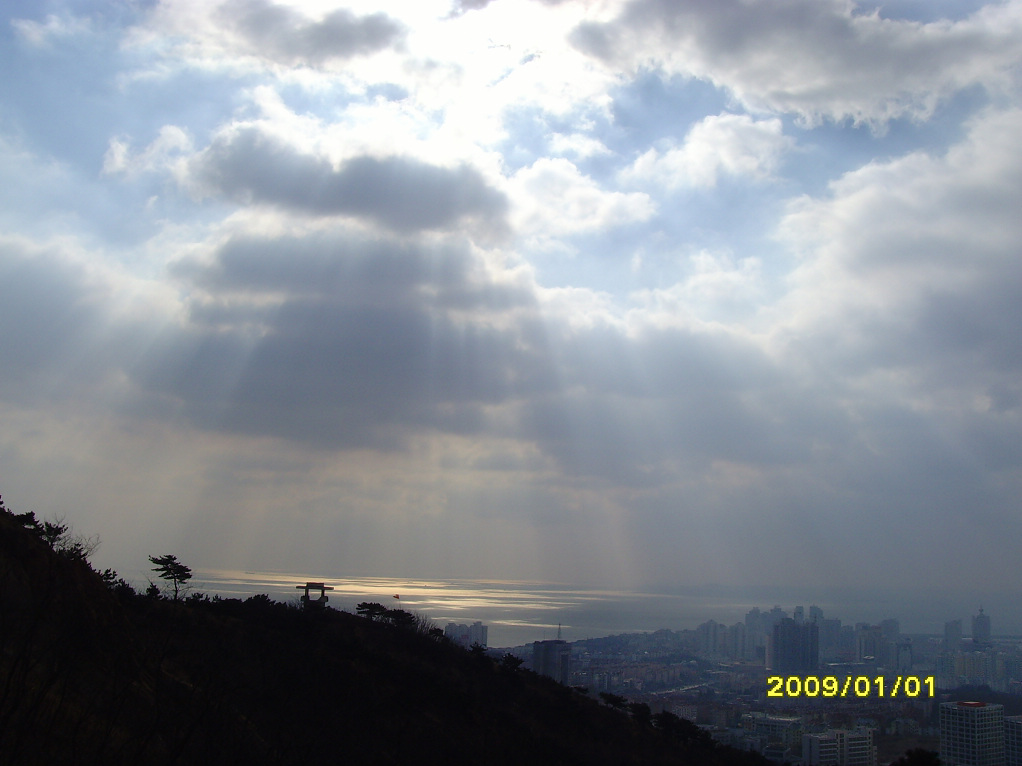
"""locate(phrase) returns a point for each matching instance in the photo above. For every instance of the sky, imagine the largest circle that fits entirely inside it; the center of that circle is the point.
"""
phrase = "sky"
(610, 293)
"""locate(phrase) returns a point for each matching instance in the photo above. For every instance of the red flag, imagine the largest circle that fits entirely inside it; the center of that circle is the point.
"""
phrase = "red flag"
(397, 597)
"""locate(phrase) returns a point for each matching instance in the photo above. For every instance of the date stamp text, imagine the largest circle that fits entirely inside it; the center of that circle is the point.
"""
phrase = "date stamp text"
(850, 686)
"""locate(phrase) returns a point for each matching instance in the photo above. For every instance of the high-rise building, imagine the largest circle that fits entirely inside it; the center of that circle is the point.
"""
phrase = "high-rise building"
(553, 659)
(1013, 740)
(830, 635)
(857, 748)
(839, 747)
(820, 749)
(786, 730)
(467, 635)
(736, 641)
(869, 643)
(981, 628)
(753, 619)
(711, 637)
(952, 636)
(971, 734)
(891, 629)
(478, 633)
(902, 655)
(794, 649)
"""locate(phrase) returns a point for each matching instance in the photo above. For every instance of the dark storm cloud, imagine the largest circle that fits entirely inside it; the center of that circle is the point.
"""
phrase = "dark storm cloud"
(283, 34)
(397, 192)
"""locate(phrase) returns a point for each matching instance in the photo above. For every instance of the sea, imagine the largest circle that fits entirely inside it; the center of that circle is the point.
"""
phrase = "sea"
(516, 612)
(519, 612)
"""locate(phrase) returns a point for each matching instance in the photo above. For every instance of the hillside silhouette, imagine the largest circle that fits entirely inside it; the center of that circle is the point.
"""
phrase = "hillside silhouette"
(92, 672)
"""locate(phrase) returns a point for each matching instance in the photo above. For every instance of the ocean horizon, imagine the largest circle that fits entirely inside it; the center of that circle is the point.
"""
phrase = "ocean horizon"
(519, 612)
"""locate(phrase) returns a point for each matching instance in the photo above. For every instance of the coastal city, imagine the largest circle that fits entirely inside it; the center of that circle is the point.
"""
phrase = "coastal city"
(802, 687)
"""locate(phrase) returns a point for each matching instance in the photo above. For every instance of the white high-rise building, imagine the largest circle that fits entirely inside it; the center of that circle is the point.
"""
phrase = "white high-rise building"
(971, 734)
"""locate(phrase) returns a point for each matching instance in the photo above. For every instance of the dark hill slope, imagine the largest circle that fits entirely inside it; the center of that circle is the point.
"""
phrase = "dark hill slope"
(97, 675)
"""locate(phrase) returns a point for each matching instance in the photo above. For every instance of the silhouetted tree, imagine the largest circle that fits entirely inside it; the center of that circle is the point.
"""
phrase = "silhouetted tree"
(401, 618)
(59, 536)
(371, 610)
(510, 662)
(682, 730)
(614, 700)
(169, 568)
(117, 584)
(641, 713)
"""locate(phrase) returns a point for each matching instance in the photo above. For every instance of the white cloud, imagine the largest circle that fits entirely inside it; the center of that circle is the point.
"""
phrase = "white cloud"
(731, 144)
(910, 276)
(720, 288)
(171, 145)
(54, 28)
(578, 145)
(552, 198)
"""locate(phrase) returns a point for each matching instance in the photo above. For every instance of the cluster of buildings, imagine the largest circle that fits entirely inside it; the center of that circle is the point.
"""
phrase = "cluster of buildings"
(971, 734)
(784, 739)
(716, 675)
(978, 661)
(804, 643)
(801, 642)
(467, 636)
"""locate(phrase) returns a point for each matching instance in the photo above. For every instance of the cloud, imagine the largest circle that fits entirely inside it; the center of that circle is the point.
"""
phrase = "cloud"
(53, 29)
(906, 307)
(399, 193)
(553, 198)
(463, 6)
(78, 322)
(817, 59)
(171, 144)
(282, 34)
(731, 144)
(352, 331)
(342, 341)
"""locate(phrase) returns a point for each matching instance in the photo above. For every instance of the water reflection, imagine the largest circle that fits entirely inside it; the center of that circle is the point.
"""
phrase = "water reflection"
(517, 612)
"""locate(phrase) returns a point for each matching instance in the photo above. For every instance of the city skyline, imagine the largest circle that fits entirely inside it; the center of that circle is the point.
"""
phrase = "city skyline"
(619, 294)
